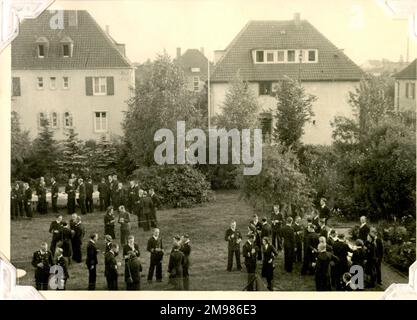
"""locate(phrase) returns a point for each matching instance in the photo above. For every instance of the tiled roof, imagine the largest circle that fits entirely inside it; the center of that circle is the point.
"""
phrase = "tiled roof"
(409, 72)
(93, 48)
(193, 58)
(332, 63)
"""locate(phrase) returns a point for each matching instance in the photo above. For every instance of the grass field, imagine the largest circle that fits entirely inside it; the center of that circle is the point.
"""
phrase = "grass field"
(205, 225)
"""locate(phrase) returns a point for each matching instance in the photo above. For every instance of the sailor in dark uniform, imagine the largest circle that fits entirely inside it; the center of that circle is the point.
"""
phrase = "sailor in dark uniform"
(42, 262)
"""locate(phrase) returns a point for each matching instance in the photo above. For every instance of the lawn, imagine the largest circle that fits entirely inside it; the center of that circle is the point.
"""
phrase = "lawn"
(205, 225)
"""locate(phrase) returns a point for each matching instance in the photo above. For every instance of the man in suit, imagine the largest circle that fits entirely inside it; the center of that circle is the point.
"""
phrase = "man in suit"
(288, 236)
(109, 221)
(132, 193)
(147, 212)
(375, 250)
(322, 228)
(175, 267)
(316, 221)
(298, 232)
(363, 229)
(27, 191)
(311, 241)
(42, 262)
(186, 249)
(42, 203)
(77, 239)
(277, 221)
(82, 196)
(157, 253)
(103, 191)
(111, 267)
(55, 229)
(324, 210)
(249, 252)
(89, 190)
(359, 254)
(109, 183)
(54, 195)
(266, 228)
(130, 253)
(255, 227)
(15, 195)
(124, 221)
(62, 262)
(341, 250)
(92, 261)
(233, 238)
(70, 191)
(155, 205)
(322, 265)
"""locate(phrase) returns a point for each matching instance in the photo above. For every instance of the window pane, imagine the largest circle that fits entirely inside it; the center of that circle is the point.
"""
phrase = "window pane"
(312, 55)
(281, 56)
(41, 51)
(259, 56)
(270, 57)
(291, 55)
(66, 50)
(40, 82)
(96, 84)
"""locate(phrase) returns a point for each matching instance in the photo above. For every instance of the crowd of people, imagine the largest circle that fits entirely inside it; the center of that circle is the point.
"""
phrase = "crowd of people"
(319, 250)
(121, 204)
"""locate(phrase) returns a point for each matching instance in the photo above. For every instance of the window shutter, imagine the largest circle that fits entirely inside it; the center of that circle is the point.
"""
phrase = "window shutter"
(89, 86)
(16, 87)
(110, 86)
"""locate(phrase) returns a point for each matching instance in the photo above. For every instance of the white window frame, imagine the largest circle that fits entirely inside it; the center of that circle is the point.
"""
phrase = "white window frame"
(285, 56)
(101, 130)
(39, 50)
(295, 56)
(63, 83)
(316, 55)
(274, 54)
(52, 87)
(40, 81)
(69, 50)
(256, 56)
(100, 84)
(71, 117)
(51, 120)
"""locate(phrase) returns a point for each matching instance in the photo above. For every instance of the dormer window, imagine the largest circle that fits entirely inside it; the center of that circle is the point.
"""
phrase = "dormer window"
(41, 51)
(312, 55)
(67, 47)
(259, 56)
(273, 56)
(42, 45)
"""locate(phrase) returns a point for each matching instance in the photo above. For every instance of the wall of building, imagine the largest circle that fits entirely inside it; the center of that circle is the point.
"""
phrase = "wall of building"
(403, 103)
(332, 100)
(33, 100)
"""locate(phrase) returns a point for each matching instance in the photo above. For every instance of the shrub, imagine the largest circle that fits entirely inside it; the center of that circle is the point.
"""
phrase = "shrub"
(177, 185)
(401, 256)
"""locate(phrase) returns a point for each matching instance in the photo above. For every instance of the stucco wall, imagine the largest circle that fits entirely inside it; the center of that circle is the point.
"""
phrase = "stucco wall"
(33, 101)
(332, 100)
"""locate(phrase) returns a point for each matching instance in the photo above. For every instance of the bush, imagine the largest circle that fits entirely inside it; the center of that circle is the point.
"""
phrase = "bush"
(401, 256)
(221, 176)
(178, 185)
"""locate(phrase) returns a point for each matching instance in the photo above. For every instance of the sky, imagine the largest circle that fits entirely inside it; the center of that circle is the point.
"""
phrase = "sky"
(363, 28)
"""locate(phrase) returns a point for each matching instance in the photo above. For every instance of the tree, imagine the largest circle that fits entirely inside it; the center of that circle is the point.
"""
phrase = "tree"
(74, 155)
(240, 108)
(294, 110)
(161, 99)
(44, 154)
(20, 147)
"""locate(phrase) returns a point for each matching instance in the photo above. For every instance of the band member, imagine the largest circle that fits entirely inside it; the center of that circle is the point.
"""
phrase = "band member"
(70, 191)
(27, 191)
(340, 250)
(256, 227)
(91, 261)
(124, 221)
(103, 191)
(175, 267)
(288, 236)
(363, 229)
(62, 262)
(82, 196)
(186, 249)
(277, 220)
(324, 210)
(131, 255)
(42, 204)
(322, 265)
(42, 262)
(89, 190)
(109, 221)
(298, 232)
(249, 252)
(233, 238)
(111, 267)
(269, 253)
(56, 229)
(155, 205)
(54, 195)
(77, 239)
(157, 252)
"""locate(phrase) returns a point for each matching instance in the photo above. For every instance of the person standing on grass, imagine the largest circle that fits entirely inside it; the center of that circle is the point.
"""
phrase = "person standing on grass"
(233, 238)
(147, 212)
(157, 253)
(27, 198)
(256, 227)
(66, 241)
(156, 203)
(109, 183)
(266, 230)
(82, 196)
(111, 267)
(61, 261)
(139, 209)
(269, 253)
(70, 191)
(298, 232)
(14, 195)
(42, 262)
(132, 194)
(109, 221)
(249, 252)
(42, 203)
(322, 266)
(55, 229)
(186, 249)
(374, 257)
(288, 236)
(175, 267)
(124, 221)
(131, 256)
(311, 241)
(91, 261)
(324, 210)
(341, 250)
(363, 229)
(316, 220)
(103, 194)
(89, 190)
(277, 220)
(54, 195)
(77, 239)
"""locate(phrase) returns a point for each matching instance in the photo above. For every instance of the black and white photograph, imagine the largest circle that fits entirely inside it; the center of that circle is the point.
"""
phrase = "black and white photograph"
(214, 146)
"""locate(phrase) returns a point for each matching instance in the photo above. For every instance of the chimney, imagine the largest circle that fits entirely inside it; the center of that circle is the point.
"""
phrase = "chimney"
(297, 18)
(107, 29)
(178, 52)
(218, 54)
(73, 18)
(202, 50)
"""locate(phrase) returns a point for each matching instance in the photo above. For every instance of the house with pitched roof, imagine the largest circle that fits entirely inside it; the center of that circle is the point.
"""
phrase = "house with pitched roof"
(405, 88)
(74, 74)
(195, 66)
(267, 52)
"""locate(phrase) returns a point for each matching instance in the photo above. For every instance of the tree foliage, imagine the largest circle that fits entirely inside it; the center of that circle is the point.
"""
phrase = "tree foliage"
(74, 155)
(20, 147)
